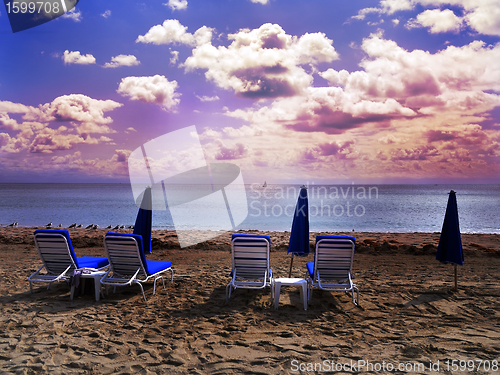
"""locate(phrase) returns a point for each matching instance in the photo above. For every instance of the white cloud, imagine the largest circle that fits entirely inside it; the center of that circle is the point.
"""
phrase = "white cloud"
(171, 31)
(205, 98)
(81, 108)
(74, 57)
(260, 1)
(83, 114)
(122, 60)
(437, 21)
(177, 4)
(156, 89)
(73, 15)
(264, 62)
(174, 58)
(106, 14)
(482, 16)
(393, 6)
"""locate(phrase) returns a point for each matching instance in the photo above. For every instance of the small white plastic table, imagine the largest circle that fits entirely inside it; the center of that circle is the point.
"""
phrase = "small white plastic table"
(96, 275)
(302, 283)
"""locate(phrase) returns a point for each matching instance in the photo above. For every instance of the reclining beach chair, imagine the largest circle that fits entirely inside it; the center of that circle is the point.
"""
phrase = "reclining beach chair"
(332, 266)
(251, 267)
(128, 263)
(58, 257)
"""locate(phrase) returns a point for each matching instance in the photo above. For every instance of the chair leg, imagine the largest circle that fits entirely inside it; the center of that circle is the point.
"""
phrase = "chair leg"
(172, 276)
(142, 290)
(31, 287)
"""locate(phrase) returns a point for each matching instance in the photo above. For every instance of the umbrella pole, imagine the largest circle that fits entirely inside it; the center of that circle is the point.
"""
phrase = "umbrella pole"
(291, 264)
(456, 278)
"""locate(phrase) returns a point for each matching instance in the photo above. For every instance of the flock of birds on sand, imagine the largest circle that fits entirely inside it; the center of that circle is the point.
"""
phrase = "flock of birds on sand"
(75, 225)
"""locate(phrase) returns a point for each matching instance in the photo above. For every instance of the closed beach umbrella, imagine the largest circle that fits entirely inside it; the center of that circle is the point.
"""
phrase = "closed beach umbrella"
(299, 235)
(450, 243)
(144, 221)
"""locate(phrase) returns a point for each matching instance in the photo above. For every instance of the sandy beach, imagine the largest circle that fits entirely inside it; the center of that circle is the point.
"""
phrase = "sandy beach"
(409, 316)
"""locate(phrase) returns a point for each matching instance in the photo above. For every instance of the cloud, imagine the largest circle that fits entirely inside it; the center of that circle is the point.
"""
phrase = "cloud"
(174, 58)
(156, 89)
(437, 21)
(81, 108)
(172, 32)
(106, 14)
(49, 140)
(260, 1)
(403, 113)
(482, 16)
(121, 156)
(37, 133)
(226, 153)
(177, 4)
(74, 15)
(264, 62)
(74, 57)
(122, 60)
(205, 98)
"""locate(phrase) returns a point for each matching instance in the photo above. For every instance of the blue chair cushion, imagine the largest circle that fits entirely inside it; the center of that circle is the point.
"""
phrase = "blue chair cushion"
(155, 266)
(310, 268)
(92, 262)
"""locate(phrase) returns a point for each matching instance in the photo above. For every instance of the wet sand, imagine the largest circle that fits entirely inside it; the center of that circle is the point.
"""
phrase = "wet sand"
(409, 312)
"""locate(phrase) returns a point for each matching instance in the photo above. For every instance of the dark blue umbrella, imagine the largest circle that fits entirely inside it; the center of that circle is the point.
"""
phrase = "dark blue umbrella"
(144, 222)
(299, 235)
(450, 243)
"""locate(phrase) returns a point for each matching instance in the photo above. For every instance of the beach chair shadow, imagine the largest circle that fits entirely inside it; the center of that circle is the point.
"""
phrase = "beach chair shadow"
(428, 296)
(129, 265)
(58, 257)
(332, 266)
(251, 267)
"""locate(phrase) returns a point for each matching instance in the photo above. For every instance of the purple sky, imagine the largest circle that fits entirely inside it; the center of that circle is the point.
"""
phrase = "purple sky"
(391, 91)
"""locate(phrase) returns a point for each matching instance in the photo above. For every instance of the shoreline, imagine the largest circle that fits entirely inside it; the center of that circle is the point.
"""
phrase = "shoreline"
(3, 226)
(411, 242)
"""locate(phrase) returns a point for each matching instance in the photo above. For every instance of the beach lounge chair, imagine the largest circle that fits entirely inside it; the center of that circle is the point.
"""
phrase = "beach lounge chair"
(332, 266)
(251, 267)
(128, 263)
(58, 257)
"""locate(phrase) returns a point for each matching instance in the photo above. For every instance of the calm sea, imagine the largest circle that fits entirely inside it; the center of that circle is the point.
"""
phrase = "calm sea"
(332, 208)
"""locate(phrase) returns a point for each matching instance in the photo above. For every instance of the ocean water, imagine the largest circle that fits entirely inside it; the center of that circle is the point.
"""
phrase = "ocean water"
(332, 208)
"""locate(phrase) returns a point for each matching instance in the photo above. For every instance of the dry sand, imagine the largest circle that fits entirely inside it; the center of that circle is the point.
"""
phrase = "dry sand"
(409, 313)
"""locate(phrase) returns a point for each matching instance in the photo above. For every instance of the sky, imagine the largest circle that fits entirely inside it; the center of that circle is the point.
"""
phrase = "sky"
(291, 91)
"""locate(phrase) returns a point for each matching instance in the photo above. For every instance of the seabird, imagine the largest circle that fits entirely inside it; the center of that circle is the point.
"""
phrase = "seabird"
(116, 227)
(122, 226)
(109, 227)
(95, 226)
(79, 226)
(89, 226)
(72, 225)
(49, 225)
